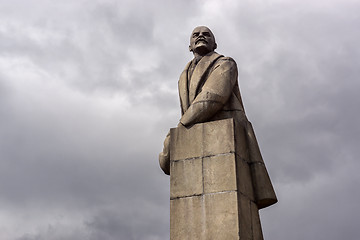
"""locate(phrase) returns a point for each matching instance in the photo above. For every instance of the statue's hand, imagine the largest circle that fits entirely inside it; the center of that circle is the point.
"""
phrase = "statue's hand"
(180, 125)
(164, 156)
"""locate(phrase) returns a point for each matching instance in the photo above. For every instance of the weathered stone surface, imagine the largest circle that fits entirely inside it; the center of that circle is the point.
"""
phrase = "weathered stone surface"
(221, 214)
(186, 178)
(249, 220)
(186, 143)
(219, 173)
(244, 183)
(186, 218)
(210, 216)
(241, 144)
(245, 218)
(264, 194)
(214, 138)
(218, 177)
(255, 224)
(211, 192)
(204, 186)
(218, 137)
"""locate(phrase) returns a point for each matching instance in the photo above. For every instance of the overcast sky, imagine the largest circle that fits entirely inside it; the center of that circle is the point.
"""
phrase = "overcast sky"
(88, 91)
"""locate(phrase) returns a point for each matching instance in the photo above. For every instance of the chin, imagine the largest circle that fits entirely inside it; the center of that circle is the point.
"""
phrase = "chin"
(203, 50)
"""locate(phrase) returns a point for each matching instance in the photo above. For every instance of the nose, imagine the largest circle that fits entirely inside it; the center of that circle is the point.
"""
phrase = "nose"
(201, 36)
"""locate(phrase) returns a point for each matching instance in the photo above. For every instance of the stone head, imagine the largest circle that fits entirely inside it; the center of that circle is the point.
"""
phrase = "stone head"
(202, 41)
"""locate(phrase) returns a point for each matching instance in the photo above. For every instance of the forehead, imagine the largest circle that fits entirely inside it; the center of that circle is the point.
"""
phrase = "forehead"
(201, 29)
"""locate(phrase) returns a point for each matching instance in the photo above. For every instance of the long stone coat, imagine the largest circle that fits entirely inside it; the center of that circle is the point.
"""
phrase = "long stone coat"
(212, 93)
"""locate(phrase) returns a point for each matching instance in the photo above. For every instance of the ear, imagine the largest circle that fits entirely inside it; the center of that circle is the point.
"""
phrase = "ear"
(190, 48)
(215, 46)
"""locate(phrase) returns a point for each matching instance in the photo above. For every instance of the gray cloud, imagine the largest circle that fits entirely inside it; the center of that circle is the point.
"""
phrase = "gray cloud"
(88, 92)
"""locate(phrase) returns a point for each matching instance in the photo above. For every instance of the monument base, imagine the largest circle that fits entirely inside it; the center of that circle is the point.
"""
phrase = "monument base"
(211, 192)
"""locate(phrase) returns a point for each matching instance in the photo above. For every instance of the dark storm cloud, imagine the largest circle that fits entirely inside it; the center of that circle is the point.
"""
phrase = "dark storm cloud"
(88, 92)
(73, 160)
(302, 101)
(312, 90)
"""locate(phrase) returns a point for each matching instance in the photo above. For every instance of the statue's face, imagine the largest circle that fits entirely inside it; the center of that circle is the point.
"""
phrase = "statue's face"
(202, 41)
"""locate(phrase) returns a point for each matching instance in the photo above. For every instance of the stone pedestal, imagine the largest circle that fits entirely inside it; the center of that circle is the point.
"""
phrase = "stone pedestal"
(211, 193)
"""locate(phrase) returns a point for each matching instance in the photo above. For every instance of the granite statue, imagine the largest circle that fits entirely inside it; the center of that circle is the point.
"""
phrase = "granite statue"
(209, 92)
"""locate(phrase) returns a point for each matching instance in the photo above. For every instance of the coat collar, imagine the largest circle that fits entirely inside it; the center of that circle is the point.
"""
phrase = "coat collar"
(183, 89)
(188, 95)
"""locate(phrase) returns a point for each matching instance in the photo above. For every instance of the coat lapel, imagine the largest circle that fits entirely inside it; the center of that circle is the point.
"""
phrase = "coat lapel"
(201, 68)
(183, 89)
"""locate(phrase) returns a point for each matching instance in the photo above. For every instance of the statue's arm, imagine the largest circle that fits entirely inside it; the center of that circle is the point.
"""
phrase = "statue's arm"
(164, 156)
(214, 94)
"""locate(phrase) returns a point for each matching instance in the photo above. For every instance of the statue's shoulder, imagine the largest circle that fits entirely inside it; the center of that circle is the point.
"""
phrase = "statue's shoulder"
(226, 63)
(224, 59)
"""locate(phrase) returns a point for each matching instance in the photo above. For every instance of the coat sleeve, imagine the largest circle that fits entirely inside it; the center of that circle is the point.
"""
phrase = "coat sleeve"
(215, 92)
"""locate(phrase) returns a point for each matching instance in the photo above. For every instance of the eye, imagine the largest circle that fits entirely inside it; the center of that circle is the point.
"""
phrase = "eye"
(206, 34)
(195, 34)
